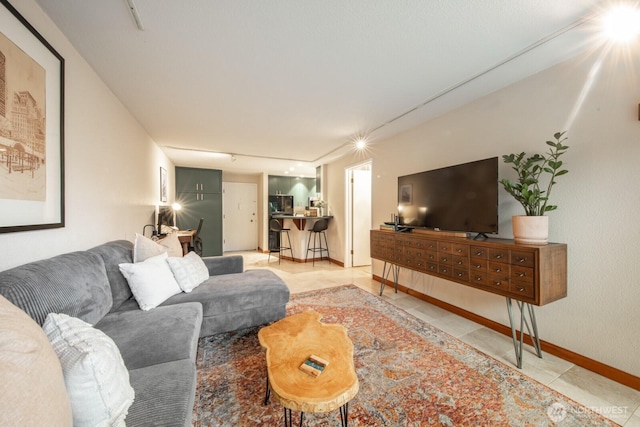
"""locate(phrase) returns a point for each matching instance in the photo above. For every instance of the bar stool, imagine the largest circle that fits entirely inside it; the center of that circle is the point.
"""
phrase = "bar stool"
(276, 227)
(318, 229)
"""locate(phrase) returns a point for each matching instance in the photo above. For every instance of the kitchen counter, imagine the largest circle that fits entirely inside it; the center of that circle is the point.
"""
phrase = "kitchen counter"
(299, 220)
(299, 235)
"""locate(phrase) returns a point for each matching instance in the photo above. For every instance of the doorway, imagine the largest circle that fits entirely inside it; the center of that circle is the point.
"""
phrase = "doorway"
(239, 216)
(358, 204)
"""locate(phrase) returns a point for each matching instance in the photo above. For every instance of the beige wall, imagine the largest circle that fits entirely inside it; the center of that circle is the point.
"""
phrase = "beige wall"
(111, 164)
(598, 202)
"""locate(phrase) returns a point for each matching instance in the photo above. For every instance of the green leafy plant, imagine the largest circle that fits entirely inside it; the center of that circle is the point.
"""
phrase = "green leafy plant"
(526, 190)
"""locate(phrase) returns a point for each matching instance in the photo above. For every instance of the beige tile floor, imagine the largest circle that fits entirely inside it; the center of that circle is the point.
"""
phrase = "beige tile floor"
(615, 401)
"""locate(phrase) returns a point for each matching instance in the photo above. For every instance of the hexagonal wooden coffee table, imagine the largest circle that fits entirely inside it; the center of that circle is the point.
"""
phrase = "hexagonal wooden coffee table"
(288, 343)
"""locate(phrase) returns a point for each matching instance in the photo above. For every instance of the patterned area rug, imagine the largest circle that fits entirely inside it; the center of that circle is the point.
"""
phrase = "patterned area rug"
(410, 374)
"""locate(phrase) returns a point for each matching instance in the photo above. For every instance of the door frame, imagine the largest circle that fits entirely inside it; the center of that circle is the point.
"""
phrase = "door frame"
(350, 210)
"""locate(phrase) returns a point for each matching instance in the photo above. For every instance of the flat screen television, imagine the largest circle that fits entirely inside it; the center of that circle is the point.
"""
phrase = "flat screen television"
(463, 197)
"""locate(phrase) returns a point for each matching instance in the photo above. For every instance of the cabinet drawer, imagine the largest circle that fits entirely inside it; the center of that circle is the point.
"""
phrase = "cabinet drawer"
(422, 243)
(445, 270)
(478, 265)
(431, 267)
(522, 289)
(461, 250)
(380, 253)
(501, 255)
(460, 261)
(479, 278)
(522, 274)
(445, 259)
(461, 274)
(498, 281)
(525, 259)
(479, 252)
(421, 265)
(498, 268)
(432, 256)
(409, 262)
(445, 247)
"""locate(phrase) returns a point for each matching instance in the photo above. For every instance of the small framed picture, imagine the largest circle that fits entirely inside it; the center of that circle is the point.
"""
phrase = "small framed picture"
(163, 184)
(406, 194)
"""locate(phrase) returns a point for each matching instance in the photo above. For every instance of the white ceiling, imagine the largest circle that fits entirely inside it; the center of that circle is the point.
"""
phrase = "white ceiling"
(292, 82)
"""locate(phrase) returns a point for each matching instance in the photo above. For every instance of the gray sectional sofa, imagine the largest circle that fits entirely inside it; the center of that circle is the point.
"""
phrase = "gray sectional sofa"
(158, 346)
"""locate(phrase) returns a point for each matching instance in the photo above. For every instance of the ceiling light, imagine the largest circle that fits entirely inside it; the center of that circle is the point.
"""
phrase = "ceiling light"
(622, 23)
(360, 144)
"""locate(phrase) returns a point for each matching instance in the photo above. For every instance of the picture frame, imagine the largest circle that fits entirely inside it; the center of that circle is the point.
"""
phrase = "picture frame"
(406, 194)
(163, 185)
(31, 154)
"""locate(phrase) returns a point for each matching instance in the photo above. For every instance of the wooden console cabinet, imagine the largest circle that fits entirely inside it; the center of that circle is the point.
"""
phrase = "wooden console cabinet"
(533, 274)
(528, 274)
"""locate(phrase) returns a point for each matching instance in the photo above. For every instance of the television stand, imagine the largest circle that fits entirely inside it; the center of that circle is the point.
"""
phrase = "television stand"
(440, 233)
(481, 236)
(532, 275)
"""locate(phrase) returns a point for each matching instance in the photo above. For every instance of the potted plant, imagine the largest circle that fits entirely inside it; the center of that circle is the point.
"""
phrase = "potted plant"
(536, 177)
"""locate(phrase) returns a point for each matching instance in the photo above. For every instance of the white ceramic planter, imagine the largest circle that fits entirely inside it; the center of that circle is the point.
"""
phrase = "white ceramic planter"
(530, 229)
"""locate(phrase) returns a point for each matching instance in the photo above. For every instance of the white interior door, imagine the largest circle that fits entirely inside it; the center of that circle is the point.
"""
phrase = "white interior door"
(240, 218)
(361, 196)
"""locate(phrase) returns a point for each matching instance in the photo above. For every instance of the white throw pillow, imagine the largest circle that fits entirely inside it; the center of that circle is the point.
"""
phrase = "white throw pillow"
(144, 248)
(95, 376)
(189, 271)
(151, 281)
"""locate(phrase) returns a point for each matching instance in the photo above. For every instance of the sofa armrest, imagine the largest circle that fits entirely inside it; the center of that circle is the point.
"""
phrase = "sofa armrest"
(229, 264)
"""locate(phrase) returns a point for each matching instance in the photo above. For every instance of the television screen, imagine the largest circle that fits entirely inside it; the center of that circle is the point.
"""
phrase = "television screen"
(166, 219)
(456, 198)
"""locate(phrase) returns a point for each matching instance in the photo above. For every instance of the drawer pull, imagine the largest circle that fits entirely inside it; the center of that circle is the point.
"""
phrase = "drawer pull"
(497, 283)
(521, 289)
(431, 267)
(478, 278)
(460, 274)
(497, 270)
(459, 250)
(444, 270)
(520, 259)
(478, 266)
(444, 259)
(479, 253)
(522, 274)
(498, 256)
(459, 262)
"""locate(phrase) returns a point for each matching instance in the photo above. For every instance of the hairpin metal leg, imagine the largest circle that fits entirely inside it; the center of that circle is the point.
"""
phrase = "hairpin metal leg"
(525, 308)
(344, 414)
(268, 392)
(385, 273)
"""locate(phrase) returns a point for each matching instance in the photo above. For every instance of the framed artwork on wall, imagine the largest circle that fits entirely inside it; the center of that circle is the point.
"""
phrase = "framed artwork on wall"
(163, 184)
(31, 127)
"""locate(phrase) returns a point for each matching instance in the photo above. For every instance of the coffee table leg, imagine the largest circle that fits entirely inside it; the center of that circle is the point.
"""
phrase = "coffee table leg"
(268, 393)
(287, 417)
(344, 414)
(301, 418)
